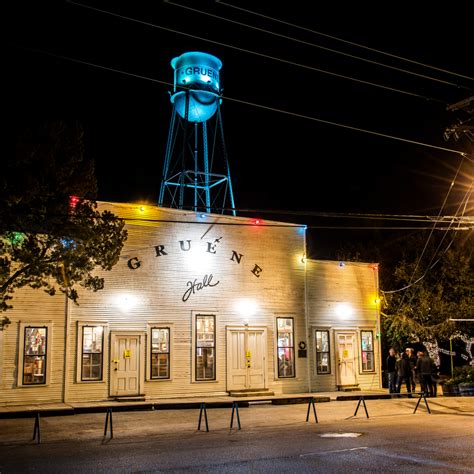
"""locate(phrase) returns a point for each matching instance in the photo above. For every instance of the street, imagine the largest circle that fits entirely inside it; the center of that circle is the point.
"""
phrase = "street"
(273, 438)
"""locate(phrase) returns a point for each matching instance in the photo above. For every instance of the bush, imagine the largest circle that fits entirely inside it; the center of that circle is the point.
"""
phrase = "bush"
(464, 374)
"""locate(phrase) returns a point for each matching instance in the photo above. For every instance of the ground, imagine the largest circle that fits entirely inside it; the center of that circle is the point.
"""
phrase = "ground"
(272, 439)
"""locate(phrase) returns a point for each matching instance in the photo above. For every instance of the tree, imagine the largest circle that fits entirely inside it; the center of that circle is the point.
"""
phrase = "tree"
(50, 238)
(434, 293)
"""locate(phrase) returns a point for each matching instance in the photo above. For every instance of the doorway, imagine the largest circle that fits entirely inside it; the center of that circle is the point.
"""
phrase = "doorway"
(246, 351)
(346, 363)
(125, 364)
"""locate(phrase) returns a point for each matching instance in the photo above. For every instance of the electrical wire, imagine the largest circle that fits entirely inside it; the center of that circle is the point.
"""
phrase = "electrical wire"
(314, 45)
(264, 107)
(255, 53)
(345, 41)
(430, 266)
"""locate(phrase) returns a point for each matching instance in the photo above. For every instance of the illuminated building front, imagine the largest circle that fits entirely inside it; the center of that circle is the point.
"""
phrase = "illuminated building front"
(199, 304)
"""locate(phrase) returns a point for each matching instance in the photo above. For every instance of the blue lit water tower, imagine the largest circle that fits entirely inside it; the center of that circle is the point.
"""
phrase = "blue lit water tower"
(194, 176)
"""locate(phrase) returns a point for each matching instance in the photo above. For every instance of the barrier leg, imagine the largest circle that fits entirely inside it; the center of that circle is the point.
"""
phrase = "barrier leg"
(311, 403)
(36, 429)
(108, 417)
(362, 400)
(422, 396)
(203, 409)
(235, 408)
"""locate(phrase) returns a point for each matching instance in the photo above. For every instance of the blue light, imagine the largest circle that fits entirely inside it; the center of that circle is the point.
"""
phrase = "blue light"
(342, 264)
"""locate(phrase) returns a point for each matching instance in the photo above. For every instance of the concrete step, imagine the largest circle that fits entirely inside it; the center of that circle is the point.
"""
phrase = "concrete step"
(251, 393)
(348, 388)
(136, 398)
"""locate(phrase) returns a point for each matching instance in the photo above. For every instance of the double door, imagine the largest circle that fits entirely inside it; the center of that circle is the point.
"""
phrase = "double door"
(246, 350)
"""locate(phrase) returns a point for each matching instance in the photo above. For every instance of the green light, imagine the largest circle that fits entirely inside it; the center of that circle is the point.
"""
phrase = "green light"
(16, 238)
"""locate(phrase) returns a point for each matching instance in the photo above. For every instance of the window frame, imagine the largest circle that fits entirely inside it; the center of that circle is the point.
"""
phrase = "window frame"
(150, 352)
(101, 353)
(48, 363)
(105, 351)
(194, 316)
(361, 368)
(328, 352)
(292, 348)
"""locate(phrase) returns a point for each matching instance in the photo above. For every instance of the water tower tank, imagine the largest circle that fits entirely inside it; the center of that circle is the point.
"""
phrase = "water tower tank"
(199, 74)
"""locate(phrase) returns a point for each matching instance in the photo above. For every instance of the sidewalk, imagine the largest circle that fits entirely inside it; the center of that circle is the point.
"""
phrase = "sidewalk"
(61, 409)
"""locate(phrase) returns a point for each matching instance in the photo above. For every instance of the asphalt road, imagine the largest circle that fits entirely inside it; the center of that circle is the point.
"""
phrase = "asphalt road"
(272, 439)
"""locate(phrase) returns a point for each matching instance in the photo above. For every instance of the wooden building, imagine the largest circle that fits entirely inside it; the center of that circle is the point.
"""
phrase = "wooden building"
(199, 304)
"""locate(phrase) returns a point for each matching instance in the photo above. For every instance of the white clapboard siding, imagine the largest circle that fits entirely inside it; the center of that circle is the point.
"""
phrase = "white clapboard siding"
(331, 284)
(33, 307)
(155, 291)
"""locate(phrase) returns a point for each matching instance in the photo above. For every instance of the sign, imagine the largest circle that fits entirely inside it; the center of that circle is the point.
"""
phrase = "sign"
(248, 354)
(127, 353)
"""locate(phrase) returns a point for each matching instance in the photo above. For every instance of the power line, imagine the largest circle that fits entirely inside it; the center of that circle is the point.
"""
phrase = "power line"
(255, 53)
(430, 266)
(264, 107)
(314, 45)
(345, 41)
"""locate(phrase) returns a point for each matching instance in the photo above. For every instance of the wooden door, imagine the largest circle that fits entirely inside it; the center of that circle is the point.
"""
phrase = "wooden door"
(125, 365)
(246, 350)
(345, 343)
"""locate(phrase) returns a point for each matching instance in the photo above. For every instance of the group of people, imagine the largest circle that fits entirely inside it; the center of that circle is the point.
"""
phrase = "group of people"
(410, 369)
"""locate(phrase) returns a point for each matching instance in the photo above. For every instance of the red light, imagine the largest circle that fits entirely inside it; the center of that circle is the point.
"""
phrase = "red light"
(73, 200)
(374, 266)
(257, 221)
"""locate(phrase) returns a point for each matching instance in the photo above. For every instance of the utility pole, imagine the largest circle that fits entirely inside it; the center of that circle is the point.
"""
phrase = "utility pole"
(462, 126)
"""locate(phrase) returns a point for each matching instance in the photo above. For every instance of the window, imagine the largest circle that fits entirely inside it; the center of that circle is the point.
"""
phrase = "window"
(323, 355)
(34, 355)
(205, 347)
(160, 353)
(367, 340)
(92, 352)
(285, 347)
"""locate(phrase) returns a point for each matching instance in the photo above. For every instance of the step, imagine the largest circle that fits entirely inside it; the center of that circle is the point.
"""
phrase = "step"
(135, 398)
(251, 393)
(348, 388)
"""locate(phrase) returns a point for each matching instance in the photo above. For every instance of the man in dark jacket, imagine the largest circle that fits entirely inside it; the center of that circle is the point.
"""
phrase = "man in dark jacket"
(424, 369)
(413, 360)
(391, 370)
(403, 372)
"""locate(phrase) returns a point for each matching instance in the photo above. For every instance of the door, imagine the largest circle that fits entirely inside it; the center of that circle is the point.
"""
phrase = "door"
(246, 351)
(345, 343)
(125, 364)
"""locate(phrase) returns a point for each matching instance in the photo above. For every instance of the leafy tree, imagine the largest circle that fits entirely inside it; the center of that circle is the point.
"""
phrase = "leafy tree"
(434, 292)
(49, 238)
(421, 312)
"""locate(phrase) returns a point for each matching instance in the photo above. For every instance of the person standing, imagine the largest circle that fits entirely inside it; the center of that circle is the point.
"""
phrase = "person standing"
(424, 368)
(392, 370)
(412, 359)
(403, 373)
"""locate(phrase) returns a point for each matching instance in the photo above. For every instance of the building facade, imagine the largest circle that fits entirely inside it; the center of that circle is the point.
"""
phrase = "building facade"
(197, 305)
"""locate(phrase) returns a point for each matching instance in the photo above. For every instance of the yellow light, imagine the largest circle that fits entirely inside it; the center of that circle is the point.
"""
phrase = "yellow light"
(377, 300)
(126, 301)
(344, 310)
(142, 208)
(246, 307)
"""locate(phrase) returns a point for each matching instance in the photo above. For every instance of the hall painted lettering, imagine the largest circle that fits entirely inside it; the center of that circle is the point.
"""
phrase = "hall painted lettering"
(194, 286)
(236, 257)
(181, 243)
(257, 270)
(160, 250)
(133, 263)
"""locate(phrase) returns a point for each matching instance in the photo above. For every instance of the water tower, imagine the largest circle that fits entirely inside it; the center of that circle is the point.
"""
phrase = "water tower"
(196, 172)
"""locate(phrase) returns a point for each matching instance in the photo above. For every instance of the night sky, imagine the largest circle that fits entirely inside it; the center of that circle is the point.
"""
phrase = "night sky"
(278, 161)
